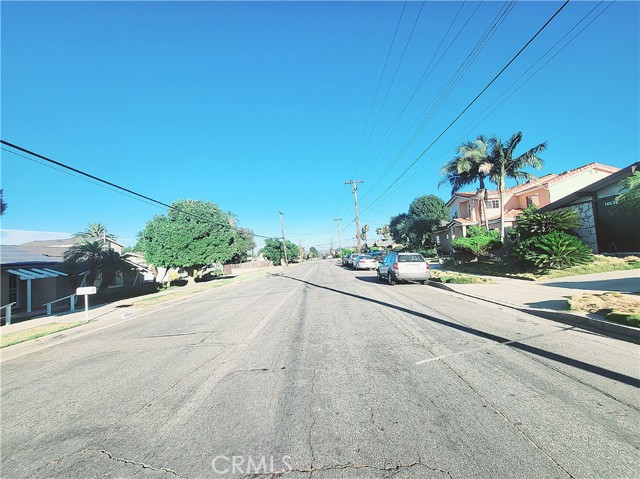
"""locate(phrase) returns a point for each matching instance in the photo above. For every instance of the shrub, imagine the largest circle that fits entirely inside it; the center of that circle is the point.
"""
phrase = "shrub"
(555, 250)
(478, 241)
(532, 224)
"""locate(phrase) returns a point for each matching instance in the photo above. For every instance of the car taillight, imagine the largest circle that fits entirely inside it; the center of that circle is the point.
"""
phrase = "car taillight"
(395, 266)
(427, 264)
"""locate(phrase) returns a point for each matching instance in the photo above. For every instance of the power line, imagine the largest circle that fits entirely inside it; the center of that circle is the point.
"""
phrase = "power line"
(116, 187)
(473, 124)
(406, 170)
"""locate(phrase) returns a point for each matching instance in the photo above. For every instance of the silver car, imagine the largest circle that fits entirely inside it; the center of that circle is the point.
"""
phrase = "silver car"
(365, 261)
(404, 267)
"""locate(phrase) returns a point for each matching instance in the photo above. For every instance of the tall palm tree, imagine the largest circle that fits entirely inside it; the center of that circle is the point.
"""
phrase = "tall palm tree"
(471, 165)
(96, 232)
(504, 165)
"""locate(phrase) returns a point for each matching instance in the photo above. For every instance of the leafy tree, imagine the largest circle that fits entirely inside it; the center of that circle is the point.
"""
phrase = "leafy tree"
(398, 228)
(631, 197)
(191, 235)
(244, 244)
(313, 252)
(430, 207)
(504, 165)
(3, 205)
(273, 250)
(384, 231)
(365, 230)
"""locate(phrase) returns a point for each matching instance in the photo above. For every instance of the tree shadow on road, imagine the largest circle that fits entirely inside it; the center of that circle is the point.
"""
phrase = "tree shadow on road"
(607, 373)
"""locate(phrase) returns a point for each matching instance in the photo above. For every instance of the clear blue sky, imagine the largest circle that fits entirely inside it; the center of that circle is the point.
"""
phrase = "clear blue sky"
(259, 107)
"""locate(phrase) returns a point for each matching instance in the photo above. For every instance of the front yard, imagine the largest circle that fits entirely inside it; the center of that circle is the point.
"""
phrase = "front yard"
(510, 268)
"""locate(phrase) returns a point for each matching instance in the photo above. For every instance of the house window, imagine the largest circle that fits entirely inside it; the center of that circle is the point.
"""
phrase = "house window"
(118, 280)
(13, 288)
(493, 204)
(532, 200)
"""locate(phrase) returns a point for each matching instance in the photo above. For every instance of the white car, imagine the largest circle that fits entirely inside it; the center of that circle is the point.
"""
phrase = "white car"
(365, 261)
(404, 267)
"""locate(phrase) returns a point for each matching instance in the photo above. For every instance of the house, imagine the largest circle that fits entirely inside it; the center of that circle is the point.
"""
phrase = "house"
(34, 274)
(464, 207)
(606, 226)
(30, 279)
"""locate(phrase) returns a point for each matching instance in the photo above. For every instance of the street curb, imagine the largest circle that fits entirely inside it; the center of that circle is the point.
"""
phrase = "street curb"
(590, 322)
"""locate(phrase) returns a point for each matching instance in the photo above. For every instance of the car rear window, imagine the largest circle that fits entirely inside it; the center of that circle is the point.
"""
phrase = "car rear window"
(410, 258)
(366, 256)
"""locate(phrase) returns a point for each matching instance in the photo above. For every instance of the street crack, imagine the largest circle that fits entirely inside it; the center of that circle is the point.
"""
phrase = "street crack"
(392, 470)
(135, 463)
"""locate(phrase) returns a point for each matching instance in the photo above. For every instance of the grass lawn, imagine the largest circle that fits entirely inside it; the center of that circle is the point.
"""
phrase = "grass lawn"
(510, 269)
(33, 333)
(617, 307)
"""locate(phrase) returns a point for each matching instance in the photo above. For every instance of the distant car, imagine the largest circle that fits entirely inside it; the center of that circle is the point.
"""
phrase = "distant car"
(345, 259)
(398, 267)
(365, 261)
(352, 259)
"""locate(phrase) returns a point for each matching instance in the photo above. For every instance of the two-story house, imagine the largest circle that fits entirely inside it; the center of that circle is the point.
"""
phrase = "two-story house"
(464, 207)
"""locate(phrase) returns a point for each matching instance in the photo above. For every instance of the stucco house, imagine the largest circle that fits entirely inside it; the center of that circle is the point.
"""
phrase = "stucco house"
(464, 207)
(606, 226)
(33, 274)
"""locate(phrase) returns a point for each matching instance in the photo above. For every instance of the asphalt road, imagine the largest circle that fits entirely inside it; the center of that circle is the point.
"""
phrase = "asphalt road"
(322, 372)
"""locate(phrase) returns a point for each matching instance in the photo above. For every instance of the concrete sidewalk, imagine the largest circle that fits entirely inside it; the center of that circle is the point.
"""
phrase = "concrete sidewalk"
(547, 297)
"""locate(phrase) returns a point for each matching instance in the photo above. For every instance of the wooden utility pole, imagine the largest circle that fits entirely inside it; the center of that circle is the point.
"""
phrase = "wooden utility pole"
(338, 220)
(300, 248)
(355, 198)
(284, 241)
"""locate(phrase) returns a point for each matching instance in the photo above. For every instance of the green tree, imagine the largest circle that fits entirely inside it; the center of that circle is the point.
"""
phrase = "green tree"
(503, 165)
(3, 205)
(96, 232)
(471, 165)
(631, 197)
(273, 250)
(244, 244)
(365, 230)
(384, 231)
(313, 252)
(93, 256)
(398, 228)
(191, 235)
(429, 206)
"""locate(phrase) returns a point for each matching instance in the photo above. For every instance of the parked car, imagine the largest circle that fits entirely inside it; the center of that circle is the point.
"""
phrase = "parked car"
(345, 259)
(352, 259)
(365, 261)
(398, 267)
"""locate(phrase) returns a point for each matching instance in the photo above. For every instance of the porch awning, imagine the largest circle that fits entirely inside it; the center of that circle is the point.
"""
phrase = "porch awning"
(36, 273)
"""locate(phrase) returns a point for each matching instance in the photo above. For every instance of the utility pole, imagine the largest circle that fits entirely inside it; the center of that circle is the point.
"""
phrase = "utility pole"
(338, 220)
(300, 247)
(355, 198)
(284, 241)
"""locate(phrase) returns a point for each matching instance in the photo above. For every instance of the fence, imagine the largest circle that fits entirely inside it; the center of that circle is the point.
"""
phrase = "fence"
(229, 268)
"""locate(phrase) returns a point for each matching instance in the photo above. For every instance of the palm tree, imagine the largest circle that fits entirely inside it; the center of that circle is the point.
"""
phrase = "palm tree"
(96, 232)
(470, 165)
(631, 197)
(503, 165)
(97, 260)
(87, 252)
